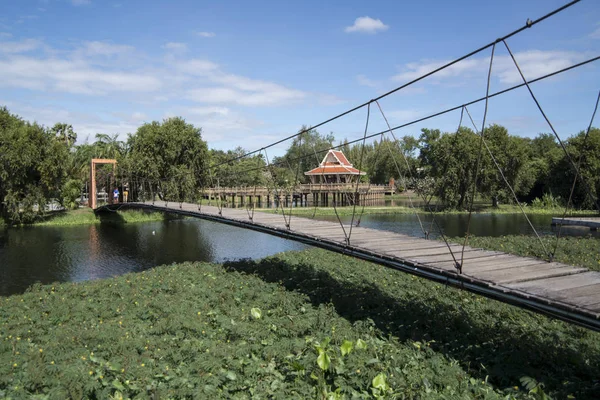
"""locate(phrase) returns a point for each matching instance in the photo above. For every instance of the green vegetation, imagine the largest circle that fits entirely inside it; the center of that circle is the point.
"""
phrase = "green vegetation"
(348, 210)
(310, 324)
(582, 251)
(85, 216)
(169, 160)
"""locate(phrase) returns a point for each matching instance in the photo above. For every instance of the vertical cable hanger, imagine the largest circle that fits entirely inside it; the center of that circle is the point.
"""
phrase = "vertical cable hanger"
(511, 189)
(585, 139)
(479, 153)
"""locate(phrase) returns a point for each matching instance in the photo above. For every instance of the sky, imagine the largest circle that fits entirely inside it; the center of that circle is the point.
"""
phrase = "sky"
(251, 73)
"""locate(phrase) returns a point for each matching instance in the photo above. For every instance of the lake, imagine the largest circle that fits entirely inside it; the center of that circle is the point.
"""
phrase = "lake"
(77, 253)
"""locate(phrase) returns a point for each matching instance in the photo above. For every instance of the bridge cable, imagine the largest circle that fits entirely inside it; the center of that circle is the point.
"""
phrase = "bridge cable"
(277, 197)
(294, 188)
(251, 205)
(479, 153)
(511, 189)
(360, 164)
(562, 145)
(408, 169)
(320, 182)
(374, 166)
(585, 139)
(448, 110)
(527, 25)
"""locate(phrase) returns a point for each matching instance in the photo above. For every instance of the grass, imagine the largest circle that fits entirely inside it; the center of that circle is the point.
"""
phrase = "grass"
(309, 324)
(581, 251)
(85, 216)
(483, 208)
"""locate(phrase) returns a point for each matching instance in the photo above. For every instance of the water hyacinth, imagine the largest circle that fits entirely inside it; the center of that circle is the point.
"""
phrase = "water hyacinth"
(310, 324)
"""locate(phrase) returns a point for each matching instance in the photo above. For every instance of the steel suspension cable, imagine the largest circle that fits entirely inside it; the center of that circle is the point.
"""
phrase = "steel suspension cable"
(562, 145)
(585, 139)
(481, 140)
(511, 190)
(527, 25)
(455, 108)
(362, 153)
(408, 169)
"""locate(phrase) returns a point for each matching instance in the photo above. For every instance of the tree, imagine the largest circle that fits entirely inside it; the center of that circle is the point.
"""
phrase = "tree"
(64, 132)
(245, 171)
(511, 154)
(587, 188)
(305, 153)
(171, 156)
(32, 168)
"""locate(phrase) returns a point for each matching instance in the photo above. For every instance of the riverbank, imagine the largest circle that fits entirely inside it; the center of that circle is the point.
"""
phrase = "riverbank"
(297, 325)
(85, 216)
(349, 210)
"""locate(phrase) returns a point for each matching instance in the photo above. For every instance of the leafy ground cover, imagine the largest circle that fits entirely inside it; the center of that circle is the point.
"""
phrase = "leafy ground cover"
(309, 324)
(581, 251)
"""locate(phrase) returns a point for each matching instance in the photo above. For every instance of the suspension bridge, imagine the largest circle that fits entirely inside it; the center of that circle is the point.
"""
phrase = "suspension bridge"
(566, 292)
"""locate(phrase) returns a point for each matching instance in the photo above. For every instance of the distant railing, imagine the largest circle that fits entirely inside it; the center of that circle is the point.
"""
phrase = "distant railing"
(307, 188)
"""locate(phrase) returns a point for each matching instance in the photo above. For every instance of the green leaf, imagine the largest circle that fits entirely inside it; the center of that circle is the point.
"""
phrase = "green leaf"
(256, 313)
(379, 382)
(323, 361)
(231, 375)
(361, 344)
(118, 385)
(346, 347)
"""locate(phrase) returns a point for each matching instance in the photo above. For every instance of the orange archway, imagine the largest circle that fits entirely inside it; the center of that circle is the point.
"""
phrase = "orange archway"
(98, 161)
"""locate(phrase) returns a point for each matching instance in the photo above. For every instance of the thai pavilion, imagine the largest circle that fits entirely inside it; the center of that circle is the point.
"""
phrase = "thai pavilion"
(335, 168)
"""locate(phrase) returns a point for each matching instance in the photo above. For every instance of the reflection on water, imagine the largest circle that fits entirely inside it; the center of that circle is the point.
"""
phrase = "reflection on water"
(78, 253)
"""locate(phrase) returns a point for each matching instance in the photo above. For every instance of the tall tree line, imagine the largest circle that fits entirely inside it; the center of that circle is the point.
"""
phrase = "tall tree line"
(39, 164)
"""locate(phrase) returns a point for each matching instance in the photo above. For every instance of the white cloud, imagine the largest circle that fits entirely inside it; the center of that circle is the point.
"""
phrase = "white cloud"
(533, 63)
(206, 34)
(5, 35)
(81, 2)
(196, 67)
(366, 25)
(176, 47)
(255, 93)
(595, 34)
(97, 48)
(206, 111)
(22, 46)
(364, 81)
(71, 77)
(405, 114)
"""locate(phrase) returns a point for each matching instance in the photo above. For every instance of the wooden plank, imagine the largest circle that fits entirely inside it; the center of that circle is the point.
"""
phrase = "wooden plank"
(533, 273)
(370, 240)
(545, 286)
(468, 256)
(497, 260)
(577, 292)
(393, 247)
(583, 301)
(593, 307)
(442, 250)
(511, 263)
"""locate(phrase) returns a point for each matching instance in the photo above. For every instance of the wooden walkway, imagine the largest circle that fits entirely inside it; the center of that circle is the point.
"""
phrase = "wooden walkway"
(563, 291)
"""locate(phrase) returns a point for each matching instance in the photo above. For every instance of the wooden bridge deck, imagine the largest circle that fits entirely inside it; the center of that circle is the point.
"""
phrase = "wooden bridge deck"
(563, 291)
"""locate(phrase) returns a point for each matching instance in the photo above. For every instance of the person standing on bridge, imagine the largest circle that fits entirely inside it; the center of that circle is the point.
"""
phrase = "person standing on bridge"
(116, 195)
(125, 194)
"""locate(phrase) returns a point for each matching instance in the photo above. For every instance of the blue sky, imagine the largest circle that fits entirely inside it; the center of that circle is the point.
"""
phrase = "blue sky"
(250, 73)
